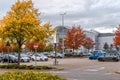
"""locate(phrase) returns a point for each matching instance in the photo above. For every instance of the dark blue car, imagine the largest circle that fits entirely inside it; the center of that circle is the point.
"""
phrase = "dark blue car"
(96, 55)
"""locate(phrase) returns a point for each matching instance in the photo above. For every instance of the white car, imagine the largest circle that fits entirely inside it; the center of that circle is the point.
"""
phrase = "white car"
(25, 59)
(35, 57)
(43, 57)
(58, 55)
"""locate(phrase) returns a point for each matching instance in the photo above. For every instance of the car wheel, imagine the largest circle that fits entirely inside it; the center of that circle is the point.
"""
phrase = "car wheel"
(28, 61)
(22, 60)
(10, 61)
(32, 59)
(114, 59)
(100, 59)
(46, 59)
(117, 60)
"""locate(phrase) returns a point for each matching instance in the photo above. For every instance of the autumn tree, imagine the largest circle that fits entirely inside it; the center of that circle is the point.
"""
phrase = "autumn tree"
(48, 47)
(22, 25)
(2, 41)
(75, 37)
(117, 38)
(29, 46)
(88, 43)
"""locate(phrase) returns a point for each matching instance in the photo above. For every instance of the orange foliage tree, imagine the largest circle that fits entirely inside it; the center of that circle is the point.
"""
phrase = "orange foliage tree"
(75, 38)
(117, 37)
(5, 49)
(29, 46)
(88, 43)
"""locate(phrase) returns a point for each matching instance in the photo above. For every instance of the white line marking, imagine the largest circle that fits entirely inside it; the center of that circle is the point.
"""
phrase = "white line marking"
(96, 69)
(58, 72)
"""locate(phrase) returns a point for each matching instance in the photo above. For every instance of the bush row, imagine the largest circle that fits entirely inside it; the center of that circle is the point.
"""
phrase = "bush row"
(31, 67)
(30, 75)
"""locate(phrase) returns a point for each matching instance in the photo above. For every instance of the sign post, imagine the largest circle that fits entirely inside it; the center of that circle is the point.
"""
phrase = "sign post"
(55, 45)
(35, 46)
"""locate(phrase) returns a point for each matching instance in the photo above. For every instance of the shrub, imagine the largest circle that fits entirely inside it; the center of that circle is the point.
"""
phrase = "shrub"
(31, 67)
(22, 67)
(30, 75)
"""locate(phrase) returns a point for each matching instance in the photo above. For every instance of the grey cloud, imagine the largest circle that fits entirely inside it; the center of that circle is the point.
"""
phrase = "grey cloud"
(87, 13)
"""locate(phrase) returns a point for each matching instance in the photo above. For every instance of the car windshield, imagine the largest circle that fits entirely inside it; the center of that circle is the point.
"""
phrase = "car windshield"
(112, 54)
(12, 56)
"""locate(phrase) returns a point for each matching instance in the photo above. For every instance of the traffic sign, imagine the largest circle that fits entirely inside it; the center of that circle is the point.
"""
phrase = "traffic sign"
(63, 47)
(56, 44)
(35, 46)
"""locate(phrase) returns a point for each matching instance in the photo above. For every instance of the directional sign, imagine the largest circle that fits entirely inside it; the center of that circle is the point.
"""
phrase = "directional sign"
(63, 47)
(56, 44)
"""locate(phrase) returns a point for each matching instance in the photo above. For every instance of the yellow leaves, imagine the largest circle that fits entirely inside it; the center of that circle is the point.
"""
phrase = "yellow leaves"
(48, 30)
(29, 75)
(22, 23)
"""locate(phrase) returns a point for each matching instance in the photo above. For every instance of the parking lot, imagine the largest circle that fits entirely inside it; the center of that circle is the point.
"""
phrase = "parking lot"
(81, 68)
(78, 63)
(75, 63)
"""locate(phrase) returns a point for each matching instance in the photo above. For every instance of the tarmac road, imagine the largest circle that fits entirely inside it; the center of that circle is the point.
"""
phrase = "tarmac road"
(82, 69)
(85, 69)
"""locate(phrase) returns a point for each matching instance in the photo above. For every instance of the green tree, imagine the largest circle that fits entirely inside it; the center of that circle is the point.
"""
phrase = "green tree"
(49, 47)
(22, 25)
(106, 47)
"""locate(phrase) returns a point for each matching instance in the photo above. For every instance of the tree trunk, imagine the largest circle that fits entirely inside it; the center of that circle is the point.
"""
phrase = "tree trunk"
(19, 51)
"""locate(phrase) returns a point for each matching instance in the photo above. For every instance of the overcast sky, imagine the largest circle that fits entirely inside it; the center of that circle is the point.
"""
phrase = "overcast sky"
(102, 15)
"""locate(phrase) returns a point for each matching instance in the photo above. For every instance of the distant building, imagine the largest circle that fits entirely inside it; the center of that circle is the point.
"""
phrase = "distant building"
(99, 38)
(61, 32)
(105, 38)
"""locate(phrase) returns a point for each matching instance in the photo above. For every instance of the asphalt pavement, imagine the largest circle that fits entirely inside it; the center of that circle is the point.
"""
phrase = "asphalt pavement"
(82, 69)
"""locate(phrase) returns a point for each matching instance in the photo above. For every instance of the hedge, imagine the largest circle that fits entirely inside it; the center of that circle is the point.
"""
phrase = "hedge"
(30, 67)
(30, 75)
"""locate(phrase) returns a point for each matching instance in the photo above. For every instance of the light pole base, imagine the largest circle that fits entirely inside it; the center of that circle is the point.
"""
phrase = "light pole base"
(55, 62)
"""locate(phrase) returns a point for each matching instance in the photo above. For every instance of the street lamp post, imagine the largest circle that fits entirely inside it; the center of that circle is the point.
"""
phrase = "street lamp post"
(55, 46)
(63, 14)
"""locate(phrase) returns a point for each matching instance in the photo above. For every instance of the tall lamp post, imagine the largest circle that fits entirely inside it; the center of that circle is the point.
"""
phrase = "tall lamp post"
(55, 47)
(63, 47)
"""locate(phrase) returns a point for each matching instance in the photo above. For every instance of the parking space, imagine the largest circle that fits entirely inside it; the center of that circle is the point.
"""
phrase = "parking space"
(76, 63)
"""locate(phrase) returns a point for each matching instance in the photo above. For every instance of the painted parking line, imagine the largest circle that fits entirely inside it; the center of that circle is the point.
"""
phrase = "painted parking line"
(72, 79)
(58, 72)
(96, 69)
(108, 74)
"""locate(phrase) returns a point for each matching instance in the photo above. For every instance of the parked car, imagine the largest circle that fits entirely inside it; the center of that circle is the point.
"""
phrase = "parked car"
(86, 54)
(68, 54)
(24, 59)
(1, 57)
(39, 57)
(96, 55)
(43, 57)
(9, 58)
(35, 57)
(109, 57)
(58, 55)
